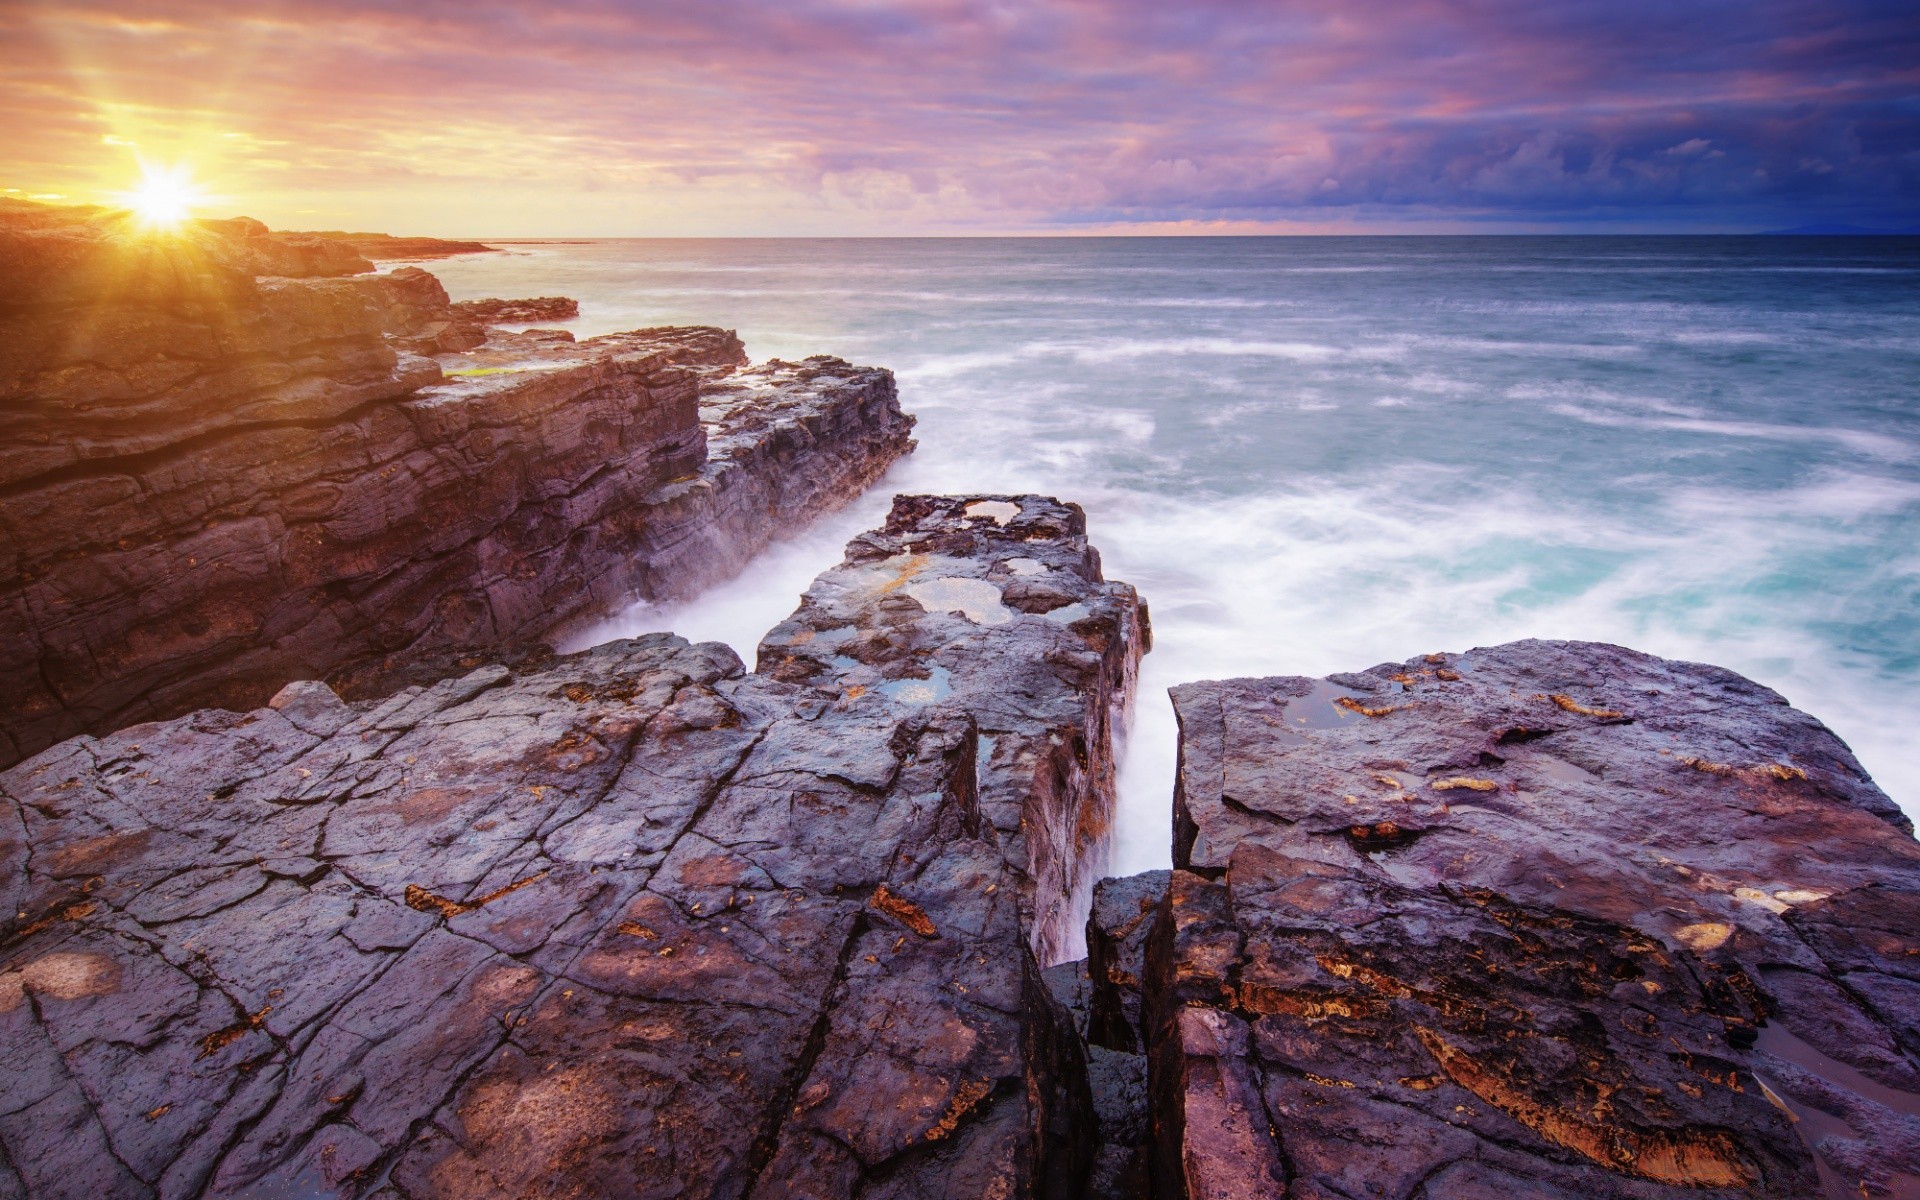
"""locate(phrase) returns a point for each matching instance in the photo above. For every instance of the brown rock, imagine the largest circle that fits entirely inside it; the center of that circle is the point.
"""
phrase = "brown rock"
(917, 612)
(216, 482)
(388, 248)
(1674, 935)
(630, 922)
(518, 312)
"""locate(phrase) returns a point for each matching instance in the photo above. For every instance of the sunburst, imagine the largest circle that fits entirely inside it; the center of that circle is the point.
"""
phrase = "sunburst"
(165, 198)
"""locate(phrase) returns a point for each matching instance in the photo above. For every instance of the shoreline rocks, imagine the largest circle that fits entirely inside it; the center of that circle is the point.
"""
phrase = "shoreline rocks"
(518, 312)
(631, 922)
(998, 605)
(456, 916)
(385, 247)
(1549, 918)
(219, 480)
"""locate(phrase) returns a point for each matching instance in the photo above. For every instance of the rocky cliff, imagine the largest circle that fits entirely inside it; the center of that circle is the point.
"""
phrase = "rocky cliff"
(235, 458)
(634, 922)
(1547, 919)
(996, 605)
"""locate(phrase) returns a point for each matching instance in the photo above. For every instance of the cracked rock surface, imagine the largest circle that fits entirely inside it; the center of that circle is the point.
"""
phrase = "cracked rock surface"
(235, 458)
(633, 922)
(997, 605)
(1545, 919)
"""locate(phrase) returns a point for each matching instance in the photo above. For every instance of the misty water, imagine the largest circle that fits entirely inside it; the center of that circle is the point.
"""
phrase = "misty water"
(1317, 454)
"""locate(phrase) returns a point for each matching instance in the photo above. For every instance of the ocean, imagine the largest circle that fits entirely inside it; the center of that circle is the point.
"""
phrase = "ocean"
(1317, 454)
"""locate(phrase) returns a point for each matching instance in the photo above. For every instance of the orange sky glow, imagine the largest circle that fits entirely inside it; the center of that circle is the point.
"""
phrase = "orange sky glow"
(961, 116)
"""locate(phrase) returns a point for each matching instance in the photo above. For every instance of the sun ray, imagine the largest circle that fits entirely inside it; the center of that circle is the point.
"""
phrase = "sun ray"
(166, 197)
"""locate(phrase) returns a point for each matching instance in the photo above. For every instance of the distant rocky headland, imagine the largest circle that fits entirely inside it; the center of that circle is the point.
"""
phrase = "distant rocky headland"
(324, 876)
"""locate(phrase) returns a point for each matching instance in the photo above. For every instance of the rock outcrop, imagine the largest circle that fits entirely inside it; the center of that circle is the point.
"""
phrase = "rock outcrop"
(386, 247)
(633, 922)
(519, 312)
(1547, 919)
(233, 459)
(998, 605)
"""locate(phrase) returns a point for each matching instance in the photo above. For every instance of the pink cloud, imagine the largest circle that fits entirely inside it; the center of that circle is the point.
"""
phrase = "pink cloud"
(836, 115)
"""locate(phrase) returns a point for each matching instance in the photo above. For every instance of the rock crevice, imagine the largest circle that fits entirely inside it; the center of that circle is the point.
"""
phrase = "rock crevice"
(629, 922)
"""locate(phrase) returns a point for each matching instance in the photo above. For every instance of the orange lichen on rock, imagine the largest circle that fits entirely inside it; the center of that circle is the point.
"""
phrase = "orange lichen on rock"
(1682, 1158)
(1352, 705)
(1778, 772)
(1455, 782)
(904, 911)
(1262, 1000)
(1574, 706)
(907, 572)
(220, 1039)
(421, 899)
(970, 1094)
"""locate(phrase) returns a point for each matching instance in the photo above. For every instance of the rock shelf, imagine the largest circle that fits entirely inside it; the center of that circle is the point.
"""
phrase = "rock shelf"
(634, 922)
(235, 459)
(1548, 919)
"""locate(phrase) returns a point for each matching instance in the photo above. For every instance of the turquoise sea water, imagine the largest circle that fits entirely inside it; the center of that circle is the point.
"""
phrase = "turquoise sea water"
(1317, 454)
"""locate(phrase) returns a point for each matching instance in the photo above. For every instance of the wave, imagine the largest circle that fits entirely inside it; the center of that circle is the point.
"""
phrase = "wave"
(1873, 445)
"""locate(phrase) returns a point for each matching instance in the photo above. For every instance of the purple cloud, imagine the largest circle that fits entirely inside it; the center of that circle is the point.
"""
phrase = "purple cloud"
(837, 115)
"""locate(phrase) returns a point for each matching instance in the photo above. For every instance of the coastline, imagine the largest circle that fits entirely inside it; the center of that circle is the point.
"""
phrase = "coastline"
(1549, 915)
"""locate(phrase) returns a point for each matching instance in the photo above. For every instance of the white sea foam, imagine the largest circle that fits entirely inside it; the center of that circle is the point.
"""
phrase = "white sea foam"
(1309, 467)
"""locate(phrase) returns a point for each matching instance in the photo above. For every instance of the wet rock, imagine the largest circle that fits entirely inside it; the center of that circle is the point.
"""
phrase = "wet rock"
(518, 312)
(628, 922)
(1117, 932)
(915, 613)
(1548, 918)
(216, 480)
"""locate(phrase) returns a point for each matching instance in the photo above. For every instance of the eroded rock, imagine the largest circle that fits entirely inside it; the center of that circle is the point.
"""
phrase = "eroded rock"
(519, 312)
(217, 479)
(629, 922)
(1549, 918)
(916, 613)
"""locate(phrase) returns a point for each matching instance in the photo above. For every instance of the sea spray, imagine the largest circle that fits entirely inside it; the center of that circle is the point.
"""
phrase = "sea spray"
(1313, 454)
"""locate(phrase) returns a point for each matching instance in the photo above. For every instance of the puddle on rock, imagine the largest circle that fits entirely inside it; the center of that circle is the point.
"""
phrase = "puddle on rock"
(1320, 708)
(1001, 511)
(976, 599)
(1025, 566)
(923, 691)
(1815, 1125)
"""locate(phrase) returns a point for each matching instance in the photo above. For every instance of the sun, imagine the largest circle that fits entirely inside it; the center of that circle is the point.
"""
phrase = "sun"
(165, 198)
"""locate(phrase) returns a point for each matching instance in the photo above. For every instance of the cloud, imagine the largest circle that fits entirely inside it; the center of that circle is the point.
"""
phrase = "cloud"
(637, 116)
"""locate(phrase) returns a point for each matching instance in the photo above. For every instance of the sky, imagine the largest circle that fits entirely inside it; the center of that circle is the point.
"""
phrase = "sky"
(880, 117)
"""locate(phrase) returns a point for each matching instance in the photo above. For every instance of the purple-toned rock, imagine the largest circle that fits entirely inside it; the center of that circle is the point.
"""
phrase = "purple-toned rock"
(1545, 919)
(997, 604)
(633, 922)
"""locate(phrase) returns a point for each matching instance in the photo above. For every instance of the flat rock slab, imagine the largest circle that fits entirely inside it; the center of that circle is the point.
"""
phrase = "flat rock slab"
(1544, 919)
(633, 922)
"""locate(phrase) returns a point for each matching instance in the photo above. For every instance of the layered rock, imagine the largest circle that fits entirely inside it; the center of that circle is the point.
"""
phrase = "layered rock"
(388, 248)
(217, 480)
(998, 605)
(634, 922)
(1547, 919)
(519, 312)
